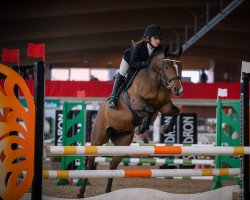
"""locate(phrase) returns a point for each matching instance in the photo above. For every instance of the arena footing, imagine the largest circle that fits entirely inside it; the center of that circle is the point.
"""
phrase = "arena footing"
(224, 193)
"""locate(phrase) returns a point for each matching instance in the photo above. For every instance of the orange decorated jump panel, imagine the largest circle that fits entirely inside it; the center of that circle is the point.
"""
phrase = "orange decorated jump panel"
(17, 125)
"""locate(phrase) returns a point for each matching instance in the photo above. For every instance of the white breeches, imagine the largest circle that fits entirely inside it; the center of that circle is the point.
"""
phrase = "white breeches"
(123, 67)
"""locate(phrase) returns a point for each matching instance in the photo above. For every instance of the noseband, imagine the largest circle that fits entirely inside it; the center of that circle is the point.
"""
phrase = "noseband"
(165, 81)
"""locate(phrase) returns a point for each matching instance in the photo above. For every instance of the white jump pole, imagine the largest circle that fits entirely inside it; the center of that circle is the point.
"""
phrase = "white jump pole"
(138, 173)
(145, 150)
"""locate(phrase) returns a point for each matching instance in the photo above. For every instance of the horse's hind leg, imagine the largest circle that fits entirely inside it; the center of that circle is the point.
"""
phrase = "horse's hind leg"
(113, 165)
(98, 138)
(118, 139)
(89, 165)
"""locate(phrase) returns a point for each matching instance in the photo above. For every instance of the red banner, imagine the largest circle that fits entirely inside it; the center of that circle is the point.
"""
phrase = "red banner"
(102, 89)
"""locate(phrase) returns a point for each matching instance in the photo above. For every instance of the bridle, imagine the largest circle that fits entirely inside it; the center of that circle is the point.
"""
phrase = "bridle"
(165, 81)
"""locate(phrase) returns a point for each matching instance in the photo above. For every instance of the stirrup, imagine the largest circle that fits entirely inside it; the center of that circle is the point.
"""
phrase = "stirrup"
(113, 102)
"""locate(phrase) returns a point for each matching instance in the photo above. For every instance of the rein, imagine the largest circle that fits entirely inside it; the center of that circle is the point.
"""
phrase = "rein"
(165, 81)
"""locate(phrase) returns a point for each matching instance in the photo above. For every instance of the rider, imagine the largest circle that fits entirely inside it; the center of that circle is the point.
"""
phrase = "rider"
(137, 57)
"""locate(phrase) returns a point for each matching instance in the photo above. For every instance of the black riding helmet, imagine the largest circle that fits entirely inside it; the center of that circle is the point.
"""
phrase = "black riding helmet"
(153, 31)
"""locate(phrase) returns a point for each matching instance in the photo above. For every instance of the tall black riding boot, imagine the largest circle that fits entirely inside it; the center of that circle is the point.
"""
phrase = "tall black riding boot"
(113, 101)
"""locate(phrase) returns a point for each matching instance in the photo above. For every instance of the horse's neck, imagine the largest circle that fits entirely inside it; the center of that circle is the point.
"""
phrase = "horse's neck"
(147, 76)
(145, 82)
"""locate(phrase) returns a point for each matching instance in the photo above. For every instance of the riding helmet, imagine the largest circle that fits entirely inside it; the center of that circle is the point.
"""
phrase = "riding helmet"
(153, 31)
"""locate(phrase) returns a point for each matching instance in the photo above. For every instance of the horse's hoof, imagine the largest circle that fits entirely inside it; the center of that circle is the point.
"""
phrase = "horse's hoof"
(137, 131)
(161, 129)
(80, 196)
(108, 191)
(166, 129)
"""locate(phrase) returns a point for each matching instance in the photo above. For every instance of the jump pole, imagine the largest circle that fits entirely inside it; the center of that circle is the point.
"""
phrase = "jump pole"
(144, 150)
(156, 144)
(157, 161)
(138, 173)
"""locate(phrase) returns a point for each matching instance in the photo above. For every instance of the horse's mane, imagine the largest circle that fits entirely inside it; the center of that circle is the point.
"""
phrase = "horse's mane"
(157, 58)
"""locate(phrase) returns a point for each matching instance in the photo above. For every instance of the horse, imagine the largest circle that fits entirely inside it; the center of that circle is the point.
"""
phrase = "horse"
(148, 94)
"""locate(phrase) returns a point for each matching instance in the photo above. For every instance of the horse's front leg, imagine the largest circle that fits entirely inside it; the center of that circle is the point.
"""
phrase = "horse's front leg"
(113, 165)
(145, 124)
(147, 120)
(174, 111)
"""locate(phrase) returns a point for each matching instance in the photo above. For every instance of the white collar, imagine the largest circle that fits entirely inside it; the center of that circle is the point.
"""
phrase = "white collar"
(150, 49)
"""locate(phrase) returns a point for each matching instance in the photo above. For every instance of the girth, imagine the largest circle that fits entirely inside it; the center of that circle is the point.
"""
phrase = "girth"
(136, 117)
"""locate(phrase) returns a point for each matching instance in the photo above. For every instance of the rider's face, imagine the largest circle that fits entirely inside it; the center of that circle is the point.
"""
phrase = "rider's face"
(155, 42)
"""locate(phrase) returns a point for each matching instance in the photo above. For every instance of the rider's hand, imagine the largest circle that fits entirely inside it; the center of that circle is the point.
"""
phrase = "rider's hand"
(145, 63)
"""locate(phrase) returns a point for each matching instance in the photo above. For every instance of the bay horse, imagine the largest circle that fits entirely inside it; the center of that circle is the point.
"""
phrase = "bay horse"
(148, 95)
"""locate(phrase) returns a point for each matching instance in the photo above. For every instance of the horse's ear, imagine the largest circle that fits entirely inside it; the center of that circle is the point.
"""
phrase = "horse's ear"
(179, 52)
(167, 51)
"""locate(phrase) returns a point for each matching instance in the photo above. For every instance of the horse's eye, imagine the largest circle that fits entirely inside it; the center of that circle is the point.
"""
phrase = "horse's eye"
(166, 66)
